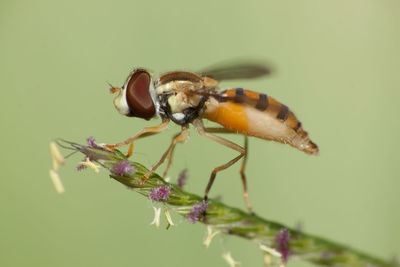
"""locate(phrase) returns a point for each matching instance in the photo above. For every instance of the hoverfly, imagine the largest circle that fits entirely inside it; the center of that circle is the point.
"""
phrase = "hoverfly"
(188, 98)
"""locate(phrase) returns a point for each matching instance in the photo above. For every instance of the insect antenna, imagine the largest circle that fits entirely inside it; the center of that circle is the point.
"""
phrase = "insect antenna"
(112, 88)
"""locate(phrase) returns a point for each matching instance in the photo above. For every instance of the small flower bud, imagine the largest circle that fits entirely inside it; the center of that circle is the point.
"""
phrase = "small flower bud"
(91, 141)
(80, 167)
(197, 210)
(282, 244)
(182, 178)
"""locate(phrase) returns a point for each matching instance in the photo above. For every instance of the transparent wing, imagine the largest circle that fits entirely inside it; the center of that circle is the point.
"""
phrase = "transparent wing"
(238, 69)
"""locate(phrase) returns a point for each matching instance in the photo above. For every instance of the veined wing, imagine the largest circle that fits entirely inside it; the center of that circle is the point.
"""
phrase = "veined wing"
(237, 70)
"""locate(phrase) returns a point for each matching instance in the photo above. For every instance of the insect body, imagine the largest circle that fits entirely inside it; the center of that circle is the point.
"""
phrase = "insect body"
(187, 98)
(258, 115)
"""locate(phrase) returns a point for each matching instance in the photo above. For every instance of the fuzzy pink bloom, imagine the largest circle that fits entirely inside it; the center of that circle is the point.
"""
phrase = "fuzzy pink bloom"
(80, 167)
(197, 211)
(160, 193)
(182, 178)
(91, 141)
(123, 167)
(282, 244)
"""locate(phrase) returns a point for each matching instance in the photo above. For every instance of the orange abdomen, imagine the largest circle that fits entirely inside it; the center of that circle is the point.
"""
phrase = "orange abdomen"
(258, 115)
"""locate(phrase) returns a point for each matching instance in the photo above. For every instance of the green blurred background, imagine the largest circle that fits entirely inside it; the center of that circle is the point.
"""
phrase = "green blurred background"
(337, 66)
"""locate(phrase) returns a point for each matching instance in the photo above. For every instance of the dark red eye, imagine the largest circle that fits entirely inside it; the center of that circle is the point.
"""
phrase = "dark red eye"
(138, 95)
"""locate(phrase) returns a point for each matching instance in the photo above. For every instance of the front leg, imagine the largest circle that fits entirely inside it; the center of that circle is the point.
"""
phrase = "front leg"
(143, 133)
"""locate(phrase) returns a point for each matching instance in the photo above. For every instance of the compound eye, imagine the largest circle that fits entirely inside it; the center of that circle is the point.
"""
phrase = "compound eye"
(138, 95)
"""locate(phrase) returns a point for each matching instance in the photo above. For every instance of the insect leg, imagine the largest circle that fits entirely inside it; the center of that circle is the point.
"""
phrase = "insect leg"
(177, 139)
(170, 156)
(210, 130)
(202, 131)
(130, 150)
(243, 175)
(143, 133)
(244, 162)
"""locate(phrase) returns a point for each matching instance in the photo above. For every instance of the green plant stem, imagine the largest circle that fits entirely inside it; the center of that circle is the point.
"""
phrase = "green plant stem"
(231, 220)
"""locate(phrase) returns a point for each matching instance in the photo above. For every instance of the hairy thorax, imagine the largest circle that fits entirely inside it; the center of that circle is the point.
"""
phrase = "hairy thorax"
(178, 102)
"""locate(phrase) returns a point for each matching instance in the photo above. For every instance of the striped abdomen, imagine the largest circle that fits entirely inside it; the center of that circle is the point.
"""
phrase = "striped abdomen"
(258, 115)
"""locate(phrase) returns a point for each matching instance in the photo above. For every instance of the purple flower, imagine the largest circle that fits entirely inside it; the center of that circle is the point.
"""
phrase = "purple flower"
(160, 193)
(282, 244)
(182, 178)
(197, 210)
(80, 167)
(91, 141)
(123, 167)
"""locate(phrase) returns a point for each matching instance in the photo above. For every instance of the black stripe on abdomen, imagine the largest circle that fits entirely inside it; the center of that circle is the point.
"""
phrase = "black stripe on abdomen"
(239, 95)
(262, 102)
(283, 113)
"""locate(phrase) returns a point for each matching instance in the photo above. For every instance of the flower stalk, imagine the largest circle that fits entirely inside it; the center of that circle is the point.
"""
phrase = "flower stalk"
(230, 220)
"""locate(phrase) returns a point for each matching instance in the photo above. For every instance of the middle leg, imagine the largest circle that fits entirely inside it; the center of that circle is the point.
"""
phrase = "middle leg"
(177, 139)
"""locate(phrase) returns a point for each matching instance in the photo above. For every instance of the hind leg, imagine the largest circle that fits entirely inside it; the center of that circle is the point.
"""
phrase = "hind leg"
(202, 131)
(244, 162)
(243, 175)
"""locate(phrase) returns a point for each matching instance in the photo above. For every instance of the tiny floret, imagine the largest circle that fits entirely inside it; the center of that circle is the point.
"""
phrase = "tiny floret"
(182, 178)
(80, 167)
(282, 244)
(160, 193)
(197, 211)
(124, 167)
(91, 141)
(88, 163)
